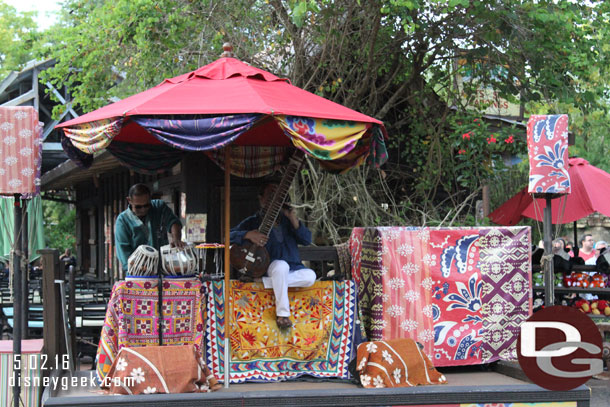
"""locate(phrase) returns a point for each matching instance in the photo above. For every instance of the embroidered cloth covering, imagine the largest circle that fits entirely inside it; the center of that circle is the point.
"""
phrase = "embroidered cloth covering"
(320, 344)
(132, 317)
(461, 292)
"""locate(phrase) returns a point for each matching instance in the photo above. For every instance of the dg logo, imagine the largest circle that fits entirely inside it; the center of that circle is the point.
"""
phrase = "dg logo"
(560, 348)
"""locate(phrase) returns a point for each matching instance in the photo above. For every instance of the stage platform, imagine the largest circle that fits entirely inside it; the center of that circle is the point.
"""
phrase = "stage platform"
(467, 385)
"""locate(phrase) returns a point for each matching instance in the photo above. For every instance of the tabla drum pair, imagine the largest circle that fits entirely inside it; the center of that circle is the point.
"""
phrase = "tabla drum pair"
(143, 261)
(174, 261)
(178, 261)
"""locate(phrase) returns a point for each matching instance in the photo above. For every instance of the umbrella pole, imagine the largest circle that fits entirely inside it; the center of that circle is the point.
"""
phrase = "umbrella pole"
(227, 266)
(575, 236)
(17, 300)
(25, 272)
(549, 275)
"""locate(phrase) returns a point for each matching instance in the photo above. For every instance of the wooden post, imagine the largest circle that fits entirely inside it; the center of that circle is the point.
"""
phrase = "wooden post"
(52, 314)
(549, 275)
(72, 311)
(227, 266)
(575, 236)
(17, 297)
(25, 271)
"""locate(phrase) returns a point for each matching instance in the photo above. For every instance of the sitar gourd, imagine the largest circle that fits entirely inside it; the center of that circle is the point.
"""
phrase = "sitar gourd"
(250, 259)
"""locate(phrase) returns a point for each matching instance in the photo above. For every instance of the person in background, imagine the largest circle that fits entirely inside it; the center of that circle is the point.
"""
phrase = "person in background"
(145, 222)
(586, 251)
(68, 259)
(599, 246)
(558, 245)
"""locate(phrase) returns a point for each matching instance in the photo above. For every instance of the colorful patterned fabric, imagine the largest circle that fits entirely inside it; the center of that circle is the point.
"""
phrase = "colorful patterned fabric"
(132, 317)
(506, 296)
(198, 132)
(379, 153)
(160, 369)
(145, 158)
(461, 292)
(395, 363)
(547, 144)
(339, 145)
(80, 158)
(320, 344)
(252, 161)
(20, 150)
(324, 139)
(94, 136)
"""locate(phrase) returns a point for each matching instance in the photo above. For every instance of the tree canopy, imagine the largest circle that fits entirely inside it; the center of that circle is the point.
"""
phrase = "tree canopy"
(396, 60)
(18, 36)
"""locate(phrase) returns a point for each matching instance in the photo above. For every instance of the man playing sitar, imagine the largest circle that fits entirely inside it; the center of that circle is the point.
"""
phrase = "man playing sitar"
(285, 269)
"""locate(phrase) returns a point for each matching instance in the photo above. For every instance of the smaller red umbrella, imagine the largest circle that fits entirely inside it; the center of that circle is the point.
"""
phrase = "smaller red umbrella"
(590, 187)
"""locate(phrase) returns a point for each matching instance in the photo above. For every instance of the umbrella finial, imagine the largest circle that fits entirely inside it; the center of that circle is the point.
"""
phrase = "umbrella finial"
(227, 50)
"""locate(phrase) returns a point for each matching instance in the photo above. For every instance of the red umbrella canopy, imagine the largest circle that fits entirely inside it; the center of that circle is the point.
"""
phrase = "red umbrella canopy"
(225, 102)
(226, 86)
(589, 194)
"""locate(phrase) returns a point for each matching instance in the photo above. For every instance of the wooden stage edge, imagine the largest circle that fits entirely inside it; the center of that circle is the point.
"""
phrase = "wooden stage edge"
(466, 385)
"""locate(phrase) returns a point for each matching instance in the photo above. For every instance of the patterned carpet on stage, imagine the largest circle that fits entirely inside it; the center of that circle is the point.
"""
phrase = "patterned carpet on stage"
(321, 343)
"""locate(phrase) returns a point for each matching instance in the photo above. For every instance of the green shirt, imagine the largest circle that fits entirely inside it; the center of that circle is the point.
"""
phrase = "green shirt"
(131, 232)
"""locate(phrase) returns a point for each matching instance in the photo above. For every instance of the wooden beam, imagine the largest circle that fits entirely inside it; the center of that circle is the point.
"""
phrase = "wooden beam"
(35, 89)
(10, 78)
(27, 96)
(49, 127)
(61, 99)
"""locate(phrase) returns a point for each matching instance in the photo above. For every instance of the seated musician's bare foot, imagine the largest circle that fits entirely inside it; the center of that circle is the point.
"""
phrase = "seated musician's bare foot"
(284, 323)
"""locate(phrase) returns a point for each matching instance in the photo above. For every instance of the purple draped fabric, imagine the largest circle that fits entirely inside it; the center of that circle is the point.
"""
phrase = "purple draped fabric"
(80, 158)
(198, 133)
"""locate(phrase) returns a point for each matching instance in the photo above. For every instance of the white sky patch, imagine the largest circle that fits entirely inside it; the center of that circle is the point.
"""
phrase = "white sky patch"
(47, 10)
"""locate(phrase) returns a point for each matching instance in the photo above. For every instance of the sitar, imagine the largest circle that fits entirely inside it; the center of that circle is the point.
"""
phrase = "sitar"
(250, 259)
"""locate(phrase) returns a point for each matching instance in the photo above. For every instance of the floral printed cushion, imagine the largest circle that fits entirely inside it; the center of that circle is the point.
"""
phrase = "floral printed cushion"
(395, 363)
(159, 369)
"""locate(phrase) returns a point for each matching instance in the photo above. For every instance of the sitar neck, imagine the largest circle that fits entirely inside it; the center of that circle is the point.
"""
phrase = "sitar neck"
(279, 197)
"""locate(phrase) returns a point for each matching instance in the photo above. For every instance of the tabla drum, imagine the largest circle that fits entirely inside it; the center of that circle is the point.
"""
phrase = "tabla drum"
(178, 261)
(143, 261)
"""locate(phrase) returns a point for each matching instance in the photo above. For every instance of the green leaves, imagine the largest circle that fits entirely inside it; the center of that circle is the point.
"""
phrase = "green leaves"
(300, 10)
(460, 3)
(397, 60)
(18, 38)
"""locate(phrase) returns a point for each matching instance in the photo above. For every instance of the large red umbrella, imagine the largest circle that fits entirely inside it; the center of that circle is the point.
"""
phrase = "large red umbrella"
(226, 86)
(225, 103)
(590, 187)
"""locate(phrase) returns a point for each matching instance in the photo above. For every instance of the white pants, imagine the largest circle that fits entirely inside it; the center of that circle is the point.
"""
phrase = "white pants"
(280, 278)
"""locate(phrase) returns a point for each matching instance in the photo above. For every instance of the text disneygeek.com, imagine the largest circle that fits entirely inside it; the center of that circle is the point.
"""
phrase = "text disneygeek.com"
(65, 383)
(35, 362)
